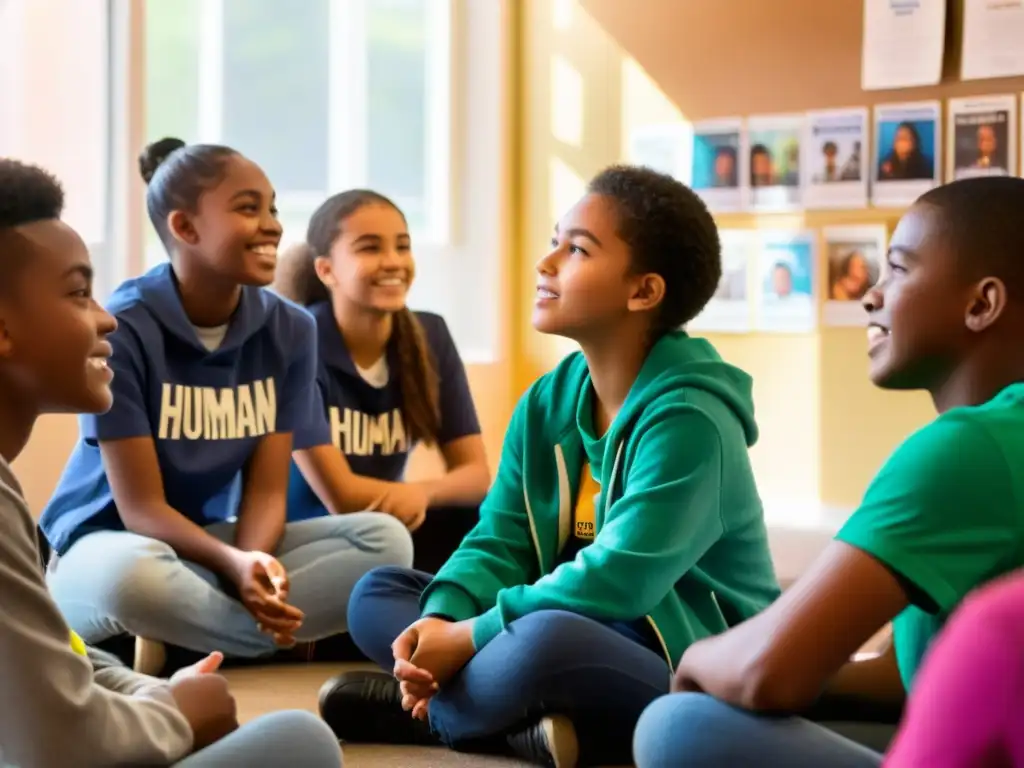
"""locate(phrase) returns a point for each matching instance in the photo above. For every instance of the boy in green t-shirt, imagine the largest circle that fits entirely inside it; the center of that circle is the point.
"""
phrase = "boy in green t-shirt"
(943, 516)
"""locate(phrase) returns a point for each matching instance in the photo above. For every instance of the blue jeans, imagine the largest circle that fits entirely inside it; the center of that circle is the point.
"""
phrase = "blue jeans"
(294, 738)
(549, 662)
(114, 582)
(698, 731)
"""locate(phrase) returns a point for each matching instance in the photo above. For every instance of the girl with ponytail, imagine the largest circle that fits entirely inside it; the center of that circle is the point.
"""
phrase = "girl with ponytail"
(390, 379)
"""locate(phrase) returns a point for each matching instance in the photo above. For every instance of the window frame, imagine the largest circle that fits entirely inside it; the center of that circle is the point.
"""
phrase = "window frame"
(347, 78)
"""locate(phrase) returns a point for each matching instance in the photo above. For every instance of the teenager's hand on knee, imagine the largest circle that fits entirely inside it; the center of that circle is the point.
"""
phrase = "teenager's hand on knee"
(208, 705)
(440, 647)
(263, 589)
(407, 502)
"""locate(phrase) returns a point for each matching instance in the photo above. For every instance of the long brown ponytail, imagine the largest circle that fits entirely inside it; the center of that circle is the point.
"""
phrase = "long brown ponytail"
(418, 377)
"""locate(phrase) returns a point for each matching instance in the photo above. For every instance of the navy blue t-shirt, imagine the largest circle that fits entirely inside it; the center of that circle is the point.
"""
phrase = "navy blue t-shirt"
(206, 411)
(365, 422)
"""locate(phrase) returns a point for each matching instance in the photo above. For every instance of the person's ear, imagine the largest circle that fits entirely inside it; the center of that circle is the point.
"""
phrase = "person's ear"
(182, 228)
(648, 293)
(324, 271)
(6, 342)
(987, 303)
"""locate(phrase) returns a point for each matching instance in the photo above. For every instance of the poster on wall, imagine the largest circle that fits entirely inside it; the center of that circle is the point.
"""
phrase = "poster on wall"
(903, 43)
(992, 35)
(729, 310)
(773, 162)
(981, 137)
(715, 173)
(664, 148)
(906, 152)
(786, 295)
(836, 159)
(855, 256)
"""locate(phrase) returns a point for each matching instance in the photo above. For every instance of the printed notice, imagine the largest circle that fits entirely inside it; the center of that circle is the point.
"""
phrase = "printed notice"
(903, 43)
(993, 39)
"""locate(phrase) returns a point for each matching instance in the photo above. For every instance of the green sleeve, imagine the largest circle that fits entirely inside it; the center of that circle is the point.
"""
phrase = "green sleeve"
(942, 512)
(667, 518)
(499, 552)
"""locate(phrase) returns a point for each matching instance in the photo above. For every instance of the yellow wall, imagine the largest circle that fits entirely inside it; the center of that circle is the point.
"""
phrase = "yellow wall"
(824, 428)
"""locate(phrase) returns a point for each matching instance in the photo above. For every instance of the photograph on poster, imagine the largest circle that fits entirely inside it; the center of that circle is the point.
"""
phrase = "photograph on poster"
(836, 159)
(855, 256)
(716, 177)
(773, 156)
(729, 310)
(982, 136)
(786, 282)
(906, 162)
(664, 148)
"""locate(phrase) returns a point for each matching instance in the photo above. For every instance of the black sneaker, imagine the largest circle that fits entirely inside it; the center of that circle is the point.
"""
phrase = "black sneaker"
(365, 707)
(551, 742)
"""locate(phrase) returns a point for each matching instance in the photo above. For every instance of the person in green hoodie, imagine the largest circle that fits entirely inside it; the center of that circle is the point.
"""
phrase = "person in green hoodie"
(624, 523)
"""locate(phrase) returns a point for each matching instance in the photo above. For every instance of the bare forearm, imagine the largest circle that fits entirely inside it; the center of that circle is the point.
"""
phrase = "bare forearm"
(260, 524)
(462, 486)
(873, 680)
(188, 540)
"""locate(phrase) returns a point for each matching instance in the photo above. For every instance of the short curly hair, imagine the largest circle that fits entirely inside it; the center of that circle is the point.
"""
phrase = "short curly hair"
(669, 232)
(27, 194)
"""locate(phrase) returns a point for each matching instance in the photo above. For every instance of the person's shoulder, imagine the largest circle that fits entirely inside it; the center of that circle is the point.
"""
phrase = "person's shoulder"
(290, 322)
(436, 330)
(552, 398)
(957, 450)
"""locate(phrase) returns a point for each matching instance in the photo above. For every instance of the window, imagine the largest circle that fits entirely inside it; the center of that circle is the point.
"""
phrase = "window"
(325, 95)
(56, 109)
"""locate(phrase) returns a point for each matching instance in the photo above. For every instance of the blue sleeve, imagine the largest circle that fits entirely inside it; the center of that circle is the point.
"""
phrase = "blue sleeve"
(316, 430)
(458, 412)
(300, 396)
(128, 416)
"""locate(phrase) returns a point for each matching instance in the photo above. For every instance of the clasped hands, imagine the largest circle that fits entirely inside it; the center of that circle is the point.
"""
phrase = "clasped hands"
(427, 655)
(262, 584)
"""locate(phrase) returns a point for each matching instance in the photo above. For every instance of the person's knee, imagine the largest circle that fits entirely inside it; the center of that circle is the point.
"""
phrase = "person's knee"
(304, 736)
(666, 726)
(379, 534)
(550, 638)
(134, 582)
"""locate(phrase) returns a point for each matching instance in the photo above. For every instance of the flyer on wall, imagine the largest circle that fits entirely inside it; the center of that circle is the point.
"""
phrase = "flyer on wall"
(855, 257)
(906, 161)
(981, 137)
(773, 162)
(992, 35)
(715, 172)
(902, 43)
(729, 310)
(786, 282)
(663, 147)
(836, 159)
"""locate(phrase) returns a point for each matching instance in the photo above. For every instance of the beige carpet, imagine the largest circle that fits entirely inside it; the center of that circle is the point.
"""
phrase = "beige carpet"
(295, 686)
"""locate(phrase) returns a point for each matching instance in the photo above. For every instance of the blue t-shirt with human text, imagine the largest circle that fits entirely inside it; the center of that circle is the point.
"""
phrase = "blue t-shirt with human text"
(365, 422)
(206, 411)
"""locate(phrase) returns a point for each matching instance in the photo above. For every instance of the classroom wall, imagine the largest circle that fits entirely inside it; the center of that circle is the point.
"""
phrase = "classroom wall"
(825, 429)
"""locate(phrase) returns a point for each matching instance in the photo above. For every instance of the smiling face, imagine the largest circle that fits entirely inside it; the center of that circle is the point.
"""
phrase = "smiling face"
(584, 284)
(917, 310)
(370, 264)
(53, 334)
(234, 232)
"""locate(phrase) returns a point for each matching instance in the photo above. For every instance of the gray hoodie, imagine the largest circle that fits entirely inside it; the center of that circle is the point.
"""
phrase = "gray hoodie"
(57, 708)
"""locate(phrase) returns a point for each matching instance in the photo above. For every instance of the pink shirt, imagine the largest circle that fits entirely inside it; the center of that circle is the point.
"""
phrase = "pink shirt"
(966, 709)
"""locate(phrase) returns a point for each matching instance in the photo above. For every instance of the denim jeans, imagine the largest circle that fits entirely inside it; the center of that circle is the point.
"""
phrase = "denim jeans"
(114, 582)
(545, 663)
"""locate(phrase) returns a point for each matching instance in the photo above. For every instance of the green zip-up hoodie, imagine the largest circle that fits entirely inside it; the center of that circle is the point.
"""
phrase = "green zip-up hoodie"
(680, 533)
